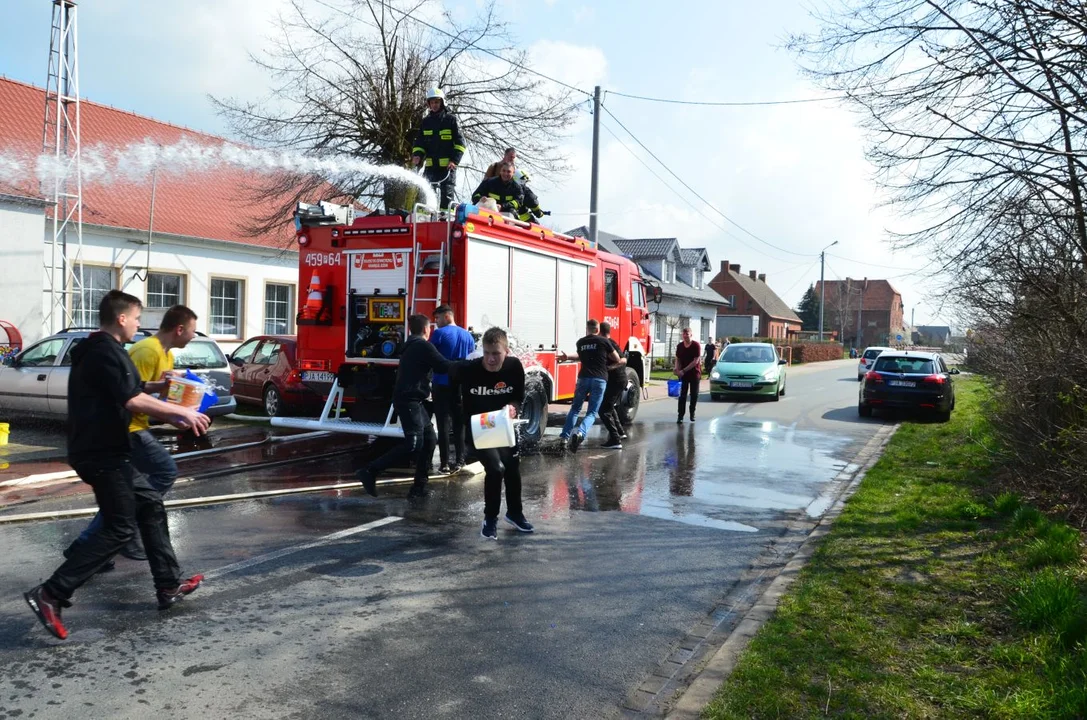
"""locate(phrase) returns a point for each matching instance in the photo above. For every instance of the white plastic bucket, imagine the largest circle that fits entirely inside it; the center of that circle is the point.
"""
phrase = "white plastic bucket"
(494, 429)
(185, 392)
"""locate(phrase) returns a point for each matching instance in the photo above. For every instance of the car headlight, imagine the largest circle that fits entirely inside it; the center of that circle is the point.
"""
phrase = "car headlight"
(714, 375)
(771, 374)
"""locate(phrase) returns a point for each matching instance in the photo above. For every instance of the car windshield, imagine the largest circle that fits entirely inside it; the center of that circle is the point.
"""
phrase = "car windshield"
(748, 354)
(869, 354)
(919, 366)
(199, 355)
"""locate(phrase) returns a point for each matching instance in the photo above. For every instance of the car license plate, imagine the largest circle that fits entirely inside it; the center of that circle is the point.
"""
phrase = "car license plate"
(736, 384)
(902, 383)
(318, 376)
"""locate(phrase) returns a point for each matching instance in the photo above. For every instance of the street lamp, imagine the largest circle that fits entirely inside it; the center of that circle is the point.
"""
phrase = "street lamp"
(822, 285)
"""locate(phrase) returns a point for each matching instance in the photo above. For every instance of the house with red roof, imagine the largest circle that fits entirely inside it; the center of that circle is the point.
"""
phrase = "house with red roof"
(185, 242)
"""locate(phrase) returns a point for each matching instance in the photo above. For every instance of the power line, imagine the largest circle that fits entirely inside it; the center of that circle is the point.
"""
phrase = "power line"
(870, 264)
(799, 279)
(725, 104)
(681, 196)
(695, 193)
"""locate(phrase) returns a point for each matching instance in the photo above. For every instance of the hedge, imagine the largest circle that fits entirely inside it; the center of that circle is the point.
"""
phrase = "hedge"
(806, 352)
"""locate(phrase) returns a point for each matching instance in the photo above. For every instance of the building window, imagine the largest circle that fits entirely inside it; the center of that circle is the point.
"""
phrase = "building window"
(277, 309)
(164, 290)
(660, 328)
(669, 272)
(97, 281)
(225, 317)
(731, 302)
(696, 278)
(611, 289)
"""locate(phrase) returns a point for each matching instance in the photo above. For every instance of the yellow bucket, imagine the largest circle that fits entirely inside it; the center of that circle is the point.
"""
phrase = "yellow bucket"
(5, 429)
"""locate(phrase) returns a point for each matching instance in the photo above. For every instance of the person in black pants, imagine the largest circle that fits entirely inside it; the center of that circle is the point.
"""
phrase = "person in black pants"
(617, 380)
(688, 369)
(418, 360)
(104, 389)
(454, 343)
(492, 383)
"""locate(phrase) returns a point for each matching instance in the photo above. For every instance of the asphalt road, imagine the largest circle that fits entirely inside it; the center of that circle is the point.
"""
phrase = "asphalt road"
(339, 605)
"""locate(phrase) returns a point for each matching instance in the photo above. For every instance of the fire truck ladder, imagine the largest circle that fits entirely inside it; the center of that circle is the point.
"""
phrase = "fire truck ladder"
(419, 262)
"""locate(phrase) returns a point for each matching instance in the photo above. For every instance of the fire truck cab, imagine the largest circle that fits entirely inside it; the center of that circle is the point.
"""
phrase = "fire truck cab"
(363, 277)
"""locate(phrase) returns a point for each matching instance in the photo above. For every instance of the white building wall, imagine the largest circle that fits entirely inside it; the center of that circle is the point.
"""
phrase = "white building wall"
(22, 274)
(125, 253)
(701, 321)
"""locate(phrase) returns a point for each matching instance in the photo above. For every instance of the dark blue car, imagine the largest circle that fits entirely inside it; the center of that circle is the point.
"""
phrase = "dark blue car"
(908, 380)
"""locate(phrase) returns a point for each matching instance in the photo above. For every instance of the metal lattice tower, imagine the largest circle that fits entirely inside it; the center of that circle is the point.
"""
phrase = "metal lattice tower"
(61, 148)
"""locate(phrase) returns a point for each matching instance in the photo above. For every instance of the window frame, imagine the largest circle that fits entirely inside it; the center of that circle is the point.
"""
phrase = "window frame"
(183, 289)
(92, 313)
(291, 303)
(668, 271)
(614, 274)
(240, 317)
(660, 328)
(42, 343)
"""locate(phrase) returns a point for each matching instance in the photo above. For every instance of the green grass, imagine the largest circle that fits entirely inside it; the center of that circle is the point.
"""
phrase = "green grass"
(928, 598)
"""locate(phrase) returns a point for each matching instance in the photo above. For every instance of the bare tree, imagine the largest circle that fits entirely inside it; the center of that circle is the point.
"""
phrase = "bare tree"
(350, 76)
(976, 112)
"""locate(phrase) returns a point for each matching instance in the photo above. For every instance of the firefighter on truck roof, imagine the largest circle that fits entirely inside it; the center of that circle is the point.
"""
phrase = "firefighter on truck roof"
(439, 146)
(504, 190)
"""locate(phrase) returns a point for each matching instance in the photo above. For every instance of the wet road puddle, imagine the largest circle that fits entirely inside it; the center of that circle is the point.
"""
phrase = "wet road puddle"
(726, 474)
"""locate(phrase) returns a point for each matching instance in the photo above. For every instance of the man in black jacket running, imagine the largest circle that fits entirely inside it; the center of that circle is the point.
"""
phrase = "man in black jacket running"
(491, 383)
(104, 389)
(419, 359)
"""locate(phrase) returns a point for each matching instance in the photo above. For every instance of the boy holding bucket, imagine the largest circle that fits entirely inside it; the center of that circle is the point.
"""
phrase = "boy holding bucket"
(496, 382)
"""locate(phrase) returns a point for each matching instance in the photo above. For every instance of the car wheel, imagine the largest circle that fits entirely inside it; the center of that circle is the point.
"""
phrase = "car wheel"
(273, 402)
(777, 393)
(782, 390)
(534, 410)
(864, 410)
(943, 415)
(630, 399)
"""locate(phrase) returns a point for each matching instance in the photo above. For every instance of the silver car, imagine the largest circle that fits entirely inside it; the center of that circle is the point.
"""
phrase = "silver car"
(35, 382)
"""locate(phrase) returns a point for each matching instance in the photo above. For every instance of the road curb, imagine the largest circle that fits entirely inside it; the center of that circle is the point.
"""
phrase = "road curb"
(702, 689)
(689, 677)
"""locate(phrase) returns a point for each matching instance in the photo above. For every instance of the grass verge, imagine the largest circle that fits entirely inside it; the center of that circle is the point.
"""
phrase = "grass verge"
(928, 598)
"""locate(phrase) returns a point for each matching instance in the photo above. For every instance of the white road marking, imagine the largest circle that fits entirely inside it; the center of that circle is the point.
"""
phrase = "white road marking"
(259, 559)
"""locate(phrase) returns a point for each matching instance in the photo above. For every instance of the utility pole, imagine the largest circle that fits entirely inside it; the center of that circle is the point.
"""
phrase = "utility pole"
(596, 165)
(823, 286)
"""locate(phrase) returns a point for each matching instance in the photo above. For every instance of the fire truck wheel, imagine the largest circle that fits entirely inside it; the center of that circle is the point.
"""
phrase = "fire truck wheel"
(533, 409)
(629, 400)
(273, 402)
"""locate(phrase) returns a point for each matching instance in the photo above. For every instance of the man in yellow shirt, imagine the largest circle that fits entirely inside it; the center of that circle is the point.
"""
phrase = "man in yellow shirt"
(154, 359)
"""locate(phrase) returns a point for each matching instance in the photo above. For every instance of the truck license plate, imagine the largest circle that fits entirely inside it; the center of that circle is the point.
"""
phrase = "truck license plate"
(902, 383)
(736, 384)
(318, 376)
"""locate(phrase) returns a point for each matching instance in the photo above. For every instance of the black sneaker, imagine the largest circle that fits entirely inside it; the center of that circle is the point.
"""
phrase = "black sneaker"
(575, 441)
(369, 481)
(489, 529)
(445, 470)
(613, 444)
(47, 608)
(692, 417)
(680, 420)
(520, 523)
(417, 492)
(456, 468)
(624, 436)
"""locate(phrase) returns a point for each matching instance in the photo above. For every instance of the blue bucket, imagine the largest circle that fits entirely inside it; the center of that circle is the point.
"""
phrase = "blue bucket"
(674, 387)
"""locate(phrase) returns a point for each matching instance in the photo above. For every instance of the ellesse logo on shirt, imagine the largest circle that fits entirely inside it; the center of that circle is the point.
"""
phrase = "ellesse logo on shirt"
(499, 388)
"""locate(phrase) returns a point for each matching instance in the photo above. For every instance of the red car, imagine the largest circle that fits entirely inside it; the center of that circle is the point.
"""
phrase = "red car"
(266, 374)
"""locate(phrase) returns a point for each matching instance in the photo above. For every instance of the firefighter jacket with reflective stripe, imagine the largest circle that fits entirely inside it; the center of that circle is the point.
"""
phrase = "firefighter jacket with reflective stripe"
(508, 195)
(530, 206)
(439, 141)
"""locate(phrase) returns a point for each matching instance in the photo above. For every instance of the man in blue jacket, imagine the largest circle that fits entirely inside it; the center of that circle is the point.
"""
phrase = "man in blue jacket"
(454, 343)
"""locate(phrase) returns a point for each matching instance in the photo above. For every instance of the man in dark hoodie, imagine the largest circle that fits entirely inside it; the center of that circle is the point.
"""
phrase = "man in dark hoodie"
(419, 359)
(104, 389)
(439, 146)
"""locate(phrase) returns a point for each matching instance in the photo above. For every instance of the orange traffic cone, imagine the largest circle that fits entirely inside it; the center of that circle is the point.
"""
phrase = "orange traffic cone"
(314, 300)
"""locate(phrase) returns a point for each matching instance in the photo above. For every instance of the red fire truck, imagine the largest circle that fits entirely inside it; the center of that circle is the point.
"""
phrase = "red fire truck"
(364, 276)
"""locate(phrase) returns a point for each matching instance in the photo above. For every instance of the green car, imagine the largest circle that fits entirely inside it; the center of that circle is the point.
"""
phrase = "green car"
(748, 369)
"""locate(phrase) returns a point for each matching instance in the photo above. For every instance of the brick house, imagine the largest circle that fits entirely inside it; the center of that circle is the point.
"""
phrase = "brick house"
(875, 303)
(750, 295)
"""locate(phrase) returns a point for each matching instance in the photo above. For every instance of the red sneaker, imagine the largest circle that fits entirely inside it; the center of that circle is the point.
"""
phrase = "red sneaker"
(47, 608)
(168, 597)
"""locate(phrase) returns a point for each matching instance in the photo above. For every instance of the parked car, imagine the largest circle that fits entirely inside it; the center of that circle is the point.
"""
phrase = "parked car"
(266, 374)
(748, 369)
(868, 358)
(911, 380)
(35, 381)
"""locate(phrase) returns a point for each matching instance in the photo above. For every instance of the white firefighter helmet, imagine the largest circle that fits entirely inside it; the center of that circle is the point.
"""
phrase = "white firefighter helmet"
(435, 92)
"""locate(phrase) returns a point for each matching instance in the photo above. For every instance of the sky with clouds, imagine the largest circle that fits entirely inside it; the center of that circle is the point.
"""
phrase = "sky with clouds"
(793, 177)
